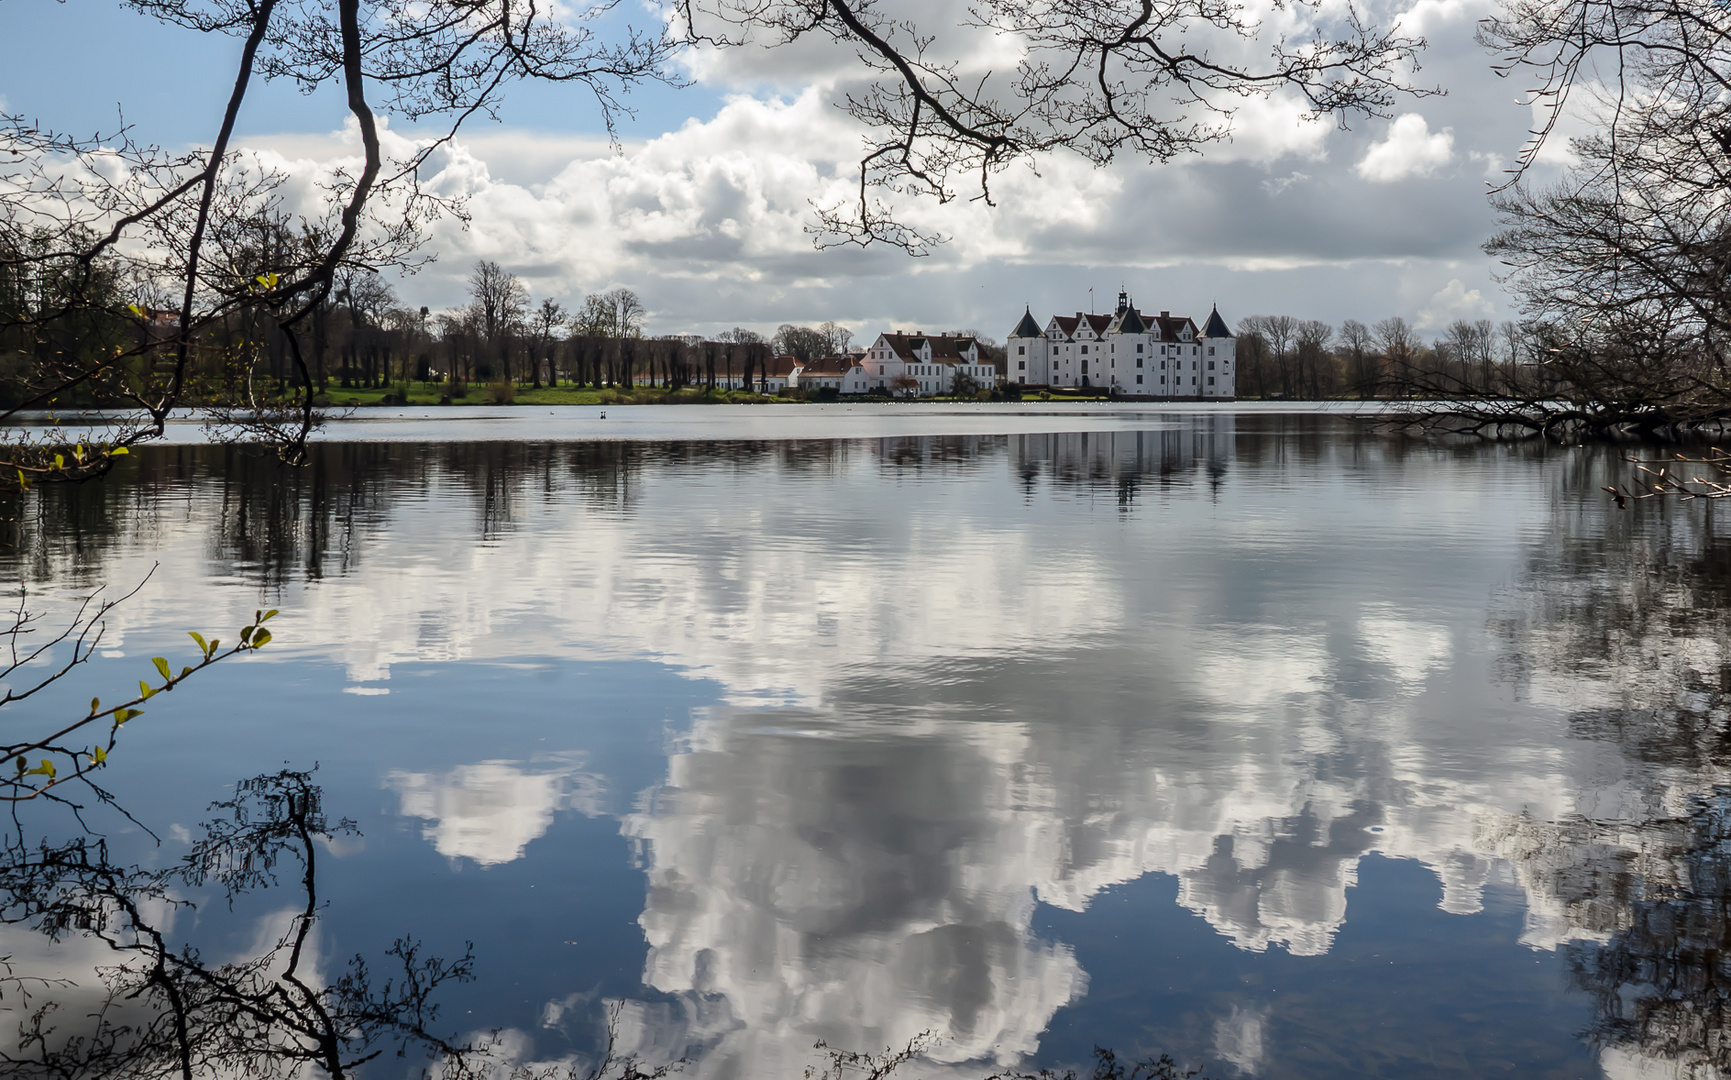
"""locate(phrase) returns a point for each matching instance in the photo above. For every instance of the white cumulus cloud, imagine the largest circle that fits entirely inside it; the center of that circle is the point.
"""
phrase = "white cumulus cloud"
(1454, 301)
(1409, 150)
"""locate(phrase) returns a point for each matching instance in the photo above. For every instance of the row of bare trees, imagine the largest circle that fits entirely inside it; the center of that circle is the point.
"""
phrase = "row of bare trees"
(1283, 357)
(361, 336)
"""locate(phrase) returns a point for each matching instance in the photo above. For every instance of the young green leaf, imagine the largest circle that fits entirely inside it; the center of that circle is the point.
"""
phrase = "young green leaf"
(44, 769)
(198, 637)
(119, 451)
(95, 705)
(162, 666)
(144, 690)
(261, 639)
(98, 755)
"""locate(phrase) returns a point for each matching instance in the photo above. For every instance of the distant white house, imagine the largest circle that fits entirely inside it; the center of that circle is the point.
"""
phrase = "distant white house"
(845, 374)
(923, 365)
(1127, 352)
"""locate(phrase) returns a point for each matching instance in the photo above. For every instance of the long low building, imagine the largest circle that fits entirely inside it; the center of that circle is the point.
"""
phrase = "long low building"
(903, 365)
(1128, 353)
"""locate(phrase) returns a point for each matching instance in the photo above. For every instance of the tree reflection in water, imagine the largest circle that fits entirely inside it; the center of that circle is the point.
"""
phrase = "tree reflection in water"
(1660, 983)
(1624, 620)
(161, 1009)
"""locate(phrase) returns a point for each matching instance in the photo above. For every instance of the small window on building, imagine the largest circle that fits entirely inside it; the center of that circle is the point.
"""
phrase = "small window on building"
(1210, 380)
(1138, 380)
(1138, 347)
(1021, 350)
(1210, 350)
(1210, 365)
(1084, 350)
(1021, 365)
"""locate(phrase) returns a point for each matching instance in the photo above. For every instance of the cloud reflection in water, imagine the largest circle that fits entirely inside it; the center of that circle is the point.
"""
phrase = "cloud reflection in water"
(488, 812)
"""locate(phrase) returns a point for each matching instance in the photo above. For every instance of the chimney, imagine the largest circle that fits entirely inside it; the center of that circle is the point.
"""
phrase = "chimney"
(1165, 314)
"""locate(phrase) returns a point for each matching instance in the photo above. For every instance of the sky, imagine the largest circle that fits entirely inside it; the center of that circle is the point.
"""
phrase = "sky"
(704, 205)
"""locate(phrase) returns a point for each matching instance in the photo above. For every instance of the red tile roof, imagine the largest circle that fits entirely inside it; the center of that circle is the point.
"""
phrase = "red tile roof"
(945, 347)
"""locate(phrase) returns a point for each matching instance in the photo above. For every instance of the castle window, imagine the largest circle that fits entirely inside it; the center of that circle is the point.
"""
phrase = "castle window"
(1210, 365)
(1084, 350)
(1210, 350)
(1021, 365)
(1021, 350)
(1138, 361)
(1210, 380)
(1138, 347)
(1138, 380)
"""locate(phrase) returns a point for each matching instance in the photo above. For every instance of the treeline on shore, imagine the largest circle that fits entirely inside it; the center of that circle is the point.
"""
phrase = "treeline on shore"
(362, 340)
(1283, 357)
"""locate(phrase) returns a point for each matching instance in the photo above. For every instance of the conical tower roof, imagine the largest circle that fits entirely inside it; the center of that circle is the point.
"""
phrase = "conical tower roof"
(1027, 327)
(1216, 325)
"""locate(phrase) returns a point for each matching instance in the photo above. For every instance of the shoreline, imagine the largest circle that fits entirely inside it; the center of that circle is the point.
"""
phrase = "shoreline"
(818, 421)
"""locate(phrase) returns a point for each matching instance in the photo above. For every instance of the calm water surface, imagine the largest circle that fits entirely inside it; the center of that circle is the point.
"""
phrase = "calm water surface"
(1250, 737)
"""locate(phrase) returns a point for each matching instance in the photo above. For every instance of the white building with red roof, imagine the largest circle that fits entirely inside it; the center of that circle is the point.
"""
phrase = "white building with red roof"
(923, 365)
(1127, 353)
(845, 374)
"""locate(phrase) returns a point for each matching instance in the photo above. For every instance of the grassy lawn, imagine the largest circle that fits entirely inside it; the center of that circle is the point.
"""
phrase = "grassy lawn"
(429, 394)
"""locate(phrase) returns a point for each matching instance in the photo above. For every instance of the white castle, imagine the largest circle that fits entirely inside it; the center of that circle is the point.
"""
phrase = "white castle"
(1129, 353)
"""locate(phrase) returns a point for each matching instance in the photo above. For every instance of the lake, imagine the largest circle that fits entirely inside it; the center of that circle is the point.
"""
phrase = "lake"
(1247, 735)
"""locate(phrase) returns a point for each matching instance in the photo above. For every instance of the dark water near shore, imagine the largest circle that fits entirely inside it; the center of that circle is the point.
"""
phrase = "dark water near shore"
(1255, 738)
